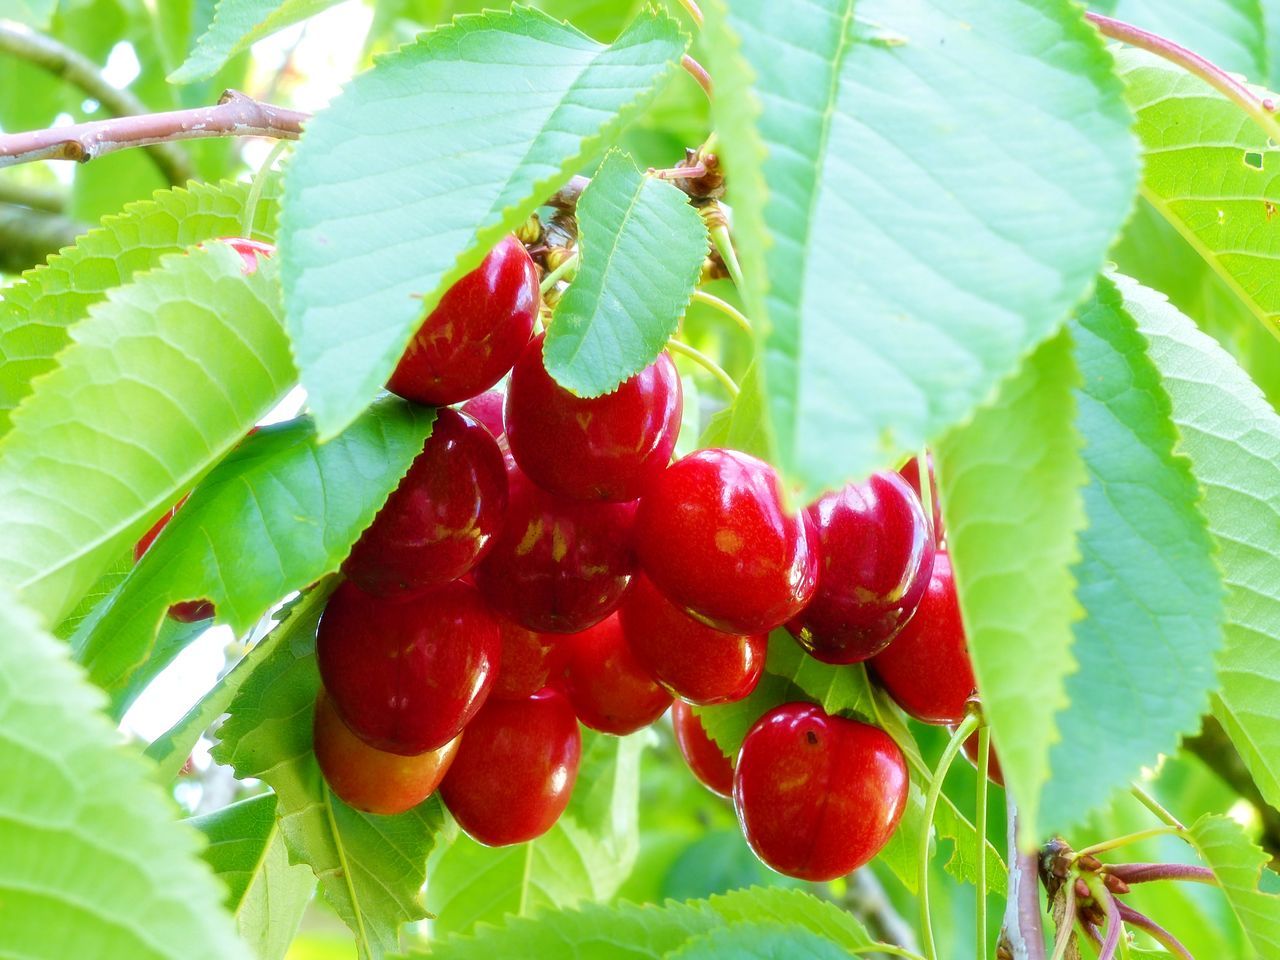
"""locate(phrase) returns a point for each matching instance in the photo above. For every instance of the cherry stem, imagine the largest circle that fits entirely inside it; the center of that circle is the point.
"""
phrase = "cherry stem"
(554, 277)
(256, 188)
(691, 7)
(1115, 925)
(1129, 838)
(698, 72)
(701, 359)
(728, 309)
(926, 492)
(966, 727)
(1154, 930)
(1152, 804)
(1068, 922)
(699, 169)
(724, 246)
(1147, 872)
(980, 823)
(1262, 109)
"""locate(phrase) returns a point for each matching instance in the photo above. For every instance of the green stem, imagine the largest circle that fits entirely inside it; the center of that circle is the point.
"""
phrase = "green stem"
(1129, 838)
(1152, 804)
(258, 185)
(980, 821)
(728, 309)
(713, 368)
(724, 246)
(926, 491)
(967, 726)
(554, 277)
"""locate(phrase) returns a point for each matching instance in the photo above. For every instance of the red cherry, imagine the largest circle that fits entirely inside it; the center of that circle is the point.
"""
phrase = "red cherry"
(602, 448)
(817, 795)
(441, 519)
(611, 691)
(876, 554)
(529, 660)
(515, 771)
(910, 472)
(970, 747)
(699, 663)
(713, 537)
(475, 334)
(249, 250)
(927, 669)
(487, 408)
(706, 760)
(406, 676)
(372, 780)
(559, 565)
(186, 611)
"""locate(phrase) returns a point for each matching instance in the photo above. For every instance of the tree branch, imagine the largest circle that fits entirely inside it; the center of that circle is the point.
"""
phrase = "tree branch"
(28, 237)
(1023, 924)
(47, 199)
(74, 67)
(236, 115)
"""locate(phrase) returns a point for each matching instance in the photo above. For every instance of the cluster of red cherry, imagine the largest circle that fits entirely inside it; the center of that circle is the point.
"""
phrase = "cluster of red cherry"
(543, 563)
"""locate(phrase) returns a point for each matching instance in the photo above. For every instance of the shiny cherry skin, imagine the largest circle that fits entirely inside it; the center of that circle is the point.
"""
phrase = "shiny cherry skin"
(910, 472)
(712, 536)
(611, 691)
(475, 334)
(530, 660)
(515, 770)
(559, 565)
(970, 747)
(373, 780)
(875, 556)
(442, 518)
(407, 675)
(487, 408)
(926, 669)
(610, 447)
(817, 796)
(249, 250)
(706, 760)
(695, 662)
(186, 611)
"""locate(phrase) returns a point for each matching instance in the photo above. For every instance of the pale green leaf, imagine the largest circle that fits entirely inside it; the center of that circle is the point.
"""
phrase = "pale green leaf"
(1231, 33)
(281, 511)
(759, 941)
(1147, 579)
(33, 13)
(944, 179)
(137, 410)
(266, 894)
(1012, 501)
(94, 863)
(371, 868)
(1232, 437)
(37, 312)
(424, 162)
(642, 247)
(236, 25)
(1240, 867)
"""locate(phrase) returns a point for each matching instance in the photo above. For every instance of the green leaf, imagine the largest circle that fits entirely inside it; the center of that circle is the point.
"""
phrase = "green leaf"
(1232, 437)
(371, 868)
(642, 247)
(33, 13)
(1240, 867)
(136, 412)
(1231, 33)
(585, 856)
(1213, 179)
(914, 156)
(1011, 482)
(281, 511)
(265, 893)
(424, 162)
(236, 25)
(759, 941)
(743, 424)
(93, 860)
(37, 312)
(1147, 579)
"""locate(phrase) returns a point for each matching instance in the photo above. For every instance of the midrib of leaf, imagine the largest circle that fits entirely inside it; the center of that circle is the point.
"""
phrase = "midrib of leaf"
(361, 936)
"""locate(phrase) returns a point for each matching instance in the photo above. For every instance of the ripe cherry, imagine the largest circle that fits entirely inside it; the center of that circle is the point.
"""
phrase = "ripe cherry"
(611, 691)
(970, 747)
(373, 780)
(559, 565)
(475, 334)
(406, 676)
(817, 795)
(927, 669)
(441, 519)
(706, 760)
(186, 611)
(876, 554)
(603, 448)
(529, 660)
(699, 663)
(713, 537)
(487, 408)
(515, 770)
(910, 472)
